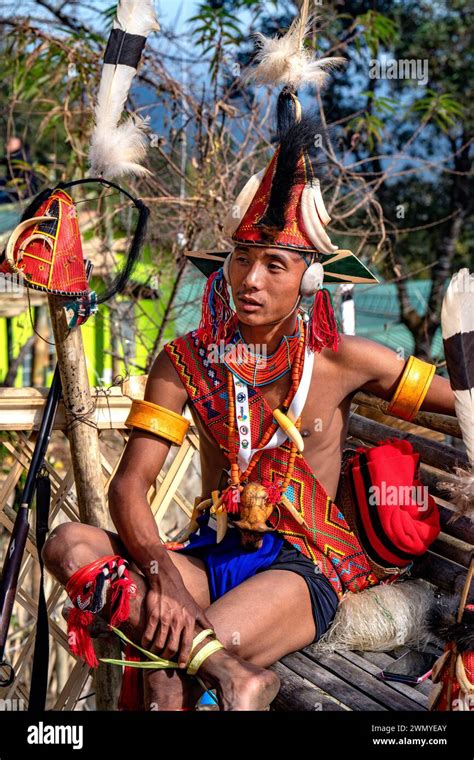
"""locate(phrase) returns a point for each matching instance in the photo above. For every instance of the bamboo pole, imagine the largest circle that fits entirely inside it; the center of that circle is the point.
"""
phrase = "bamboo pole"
(442, 423)
(86, 462)
(434, 453)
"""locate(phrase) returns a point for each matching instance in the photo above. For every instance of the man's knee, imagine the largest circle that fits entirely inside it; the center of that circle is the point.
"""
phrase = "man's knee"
(66, 550)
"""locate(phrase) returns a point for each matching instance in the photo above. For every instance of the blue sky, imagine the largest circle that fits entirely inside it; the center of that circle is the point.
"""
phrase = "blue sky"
(170, 11)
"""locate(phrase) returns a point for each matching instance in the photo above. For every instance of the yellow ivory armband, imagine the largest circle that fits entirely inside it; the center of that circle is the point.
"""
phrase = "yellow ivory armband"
(412, 389)
(158, 420)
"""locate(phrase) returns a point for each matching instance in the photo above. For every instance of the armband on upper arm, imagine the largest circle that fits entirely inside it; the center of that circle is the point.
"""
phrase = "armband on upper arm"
(412, 389)
(158, 420)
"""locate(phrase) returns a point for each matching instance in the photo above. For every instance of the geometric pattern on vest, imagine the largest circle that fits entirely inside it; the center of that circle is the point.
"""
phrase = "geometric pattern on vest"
(328, 541)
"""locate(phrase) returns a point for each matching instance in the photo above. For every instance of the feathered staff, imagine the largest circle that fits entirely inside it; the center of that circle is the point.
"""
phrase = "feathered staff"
(451, 621)
(118, 149)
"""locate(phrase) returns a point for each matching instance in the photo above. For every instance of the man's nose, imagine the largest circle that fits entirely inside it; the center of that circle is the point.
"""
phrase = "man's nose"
(254, 276)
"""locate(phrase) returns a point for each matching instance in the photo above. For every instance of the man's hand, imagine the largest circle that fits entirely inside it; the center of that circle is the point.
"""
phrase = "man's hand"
(172, 614)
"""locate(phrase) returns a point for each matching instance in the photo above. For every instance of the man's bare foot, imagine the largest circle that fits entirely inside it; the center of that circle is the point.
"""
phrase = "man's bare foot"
(170, 690)
(240, 684)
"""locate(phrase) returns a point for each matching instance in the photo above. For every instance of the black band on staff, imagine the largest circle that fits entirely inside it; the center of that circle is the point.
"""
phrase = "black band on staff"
(459, 353)
(125, 49)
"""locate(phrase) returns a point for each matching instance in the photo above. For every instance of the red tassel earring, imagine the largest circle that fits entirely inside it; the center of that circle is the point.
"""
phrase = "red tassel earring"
(322, 327)
(218, 321)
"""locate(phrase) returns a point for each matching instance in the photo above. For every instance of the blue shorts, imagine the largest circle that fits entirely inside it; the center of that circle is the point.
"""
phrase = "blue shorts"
(228, 564)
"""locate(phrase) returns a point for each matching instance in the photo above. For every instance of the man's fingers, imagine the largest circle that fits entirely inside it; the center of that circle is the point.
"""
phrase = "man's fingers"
(204, 621)
(187, 636)
(161, 638)
(171, 647)
(149, 633)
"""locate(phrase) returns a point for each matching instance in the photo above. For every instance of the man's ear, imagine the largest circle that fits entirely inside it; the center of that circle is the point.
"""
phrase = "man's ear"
(226, 268)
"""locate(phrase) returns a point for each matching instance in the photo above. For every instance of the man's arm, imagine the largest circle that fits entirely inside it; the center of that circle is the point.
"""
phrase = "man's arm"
(369, 366)
(142, 460)
(171, 609)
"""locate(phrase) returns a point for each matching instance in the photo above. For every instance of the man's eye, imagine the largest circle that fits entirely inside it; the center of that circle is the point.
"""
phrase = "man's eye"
(242, 259)
(275, 267)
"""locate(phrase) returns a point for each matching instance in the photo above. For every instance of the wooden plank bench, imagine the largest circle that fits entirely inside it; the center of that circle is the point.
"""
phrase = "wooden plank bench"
(340, 681)
(345, 680)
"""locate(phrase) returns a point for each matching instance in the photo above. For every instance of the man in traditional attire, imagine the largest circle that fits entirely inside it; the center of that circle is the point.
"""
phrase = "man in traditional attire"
(272, 546)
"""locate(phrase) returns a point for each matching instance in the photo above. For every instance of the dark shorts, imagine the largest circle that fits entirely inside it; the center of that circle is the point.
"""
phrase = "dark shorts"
(324, 600)
(228, 564)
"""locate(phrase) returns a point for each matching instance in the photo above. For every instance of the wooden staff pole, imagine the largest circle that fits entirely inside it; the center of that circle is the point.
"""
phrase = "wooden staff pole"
(88, 477)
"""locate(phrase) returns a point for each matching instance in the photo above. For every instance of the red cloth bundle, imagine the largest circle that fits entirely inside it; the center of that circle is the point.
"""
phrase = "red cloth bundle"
(394, 516)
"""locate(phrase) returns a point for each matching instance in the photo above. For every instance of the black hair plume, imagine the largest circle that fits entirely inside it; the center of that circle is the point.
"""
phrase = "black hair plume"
(295, 138)
(442, 623)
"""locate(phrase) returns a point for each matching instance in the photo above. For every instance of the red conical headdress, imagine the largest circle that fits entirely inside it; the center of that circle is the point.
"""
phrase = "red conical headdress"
(282, 206)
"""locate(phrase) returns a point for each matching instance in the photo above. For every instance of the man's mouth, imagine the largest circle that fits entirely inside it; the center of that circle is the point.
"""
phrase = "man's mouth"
(249, 304)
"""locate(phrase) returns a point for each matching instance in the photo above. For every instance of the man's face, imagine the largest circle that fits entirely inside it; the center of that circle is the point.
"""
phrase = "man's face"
(265, 283)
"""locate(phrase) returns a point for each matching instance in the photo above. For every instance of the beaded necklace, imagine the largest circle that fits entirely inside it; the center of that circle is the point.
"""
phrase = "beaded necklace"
(257, 369)
(230, 497)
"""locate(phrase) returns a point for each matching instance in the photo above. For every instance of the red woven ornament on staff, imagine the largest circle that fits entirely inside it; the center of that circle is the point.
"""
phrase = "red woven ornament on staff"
(48, 252)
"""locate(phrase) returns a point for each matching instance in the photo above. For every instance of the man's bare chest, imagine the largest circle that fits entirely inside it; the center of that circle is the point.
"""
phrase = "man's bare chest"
(326, 409)
(323, 427)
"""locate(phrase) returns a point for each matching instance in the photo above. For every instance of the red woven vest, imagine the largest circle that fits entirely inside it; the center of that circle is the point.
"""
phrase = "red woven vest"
(328, 542)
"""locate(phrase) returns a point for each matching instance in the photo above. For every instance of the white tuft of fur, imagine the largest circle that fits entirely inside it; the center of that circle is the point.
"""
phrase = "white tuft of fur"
(460, 486)
(119, 149)
(380, 618)
(285, 60)
(124, 147)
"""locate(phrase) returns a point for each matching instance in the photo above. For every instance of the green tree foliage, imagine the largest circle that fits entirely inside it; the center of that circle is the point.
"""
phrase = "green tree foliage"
(399, 117)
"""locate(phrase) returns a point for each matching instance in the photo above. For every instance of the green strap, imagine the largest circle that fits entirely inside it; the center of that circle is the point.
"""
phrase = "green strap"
(155, 661)
(154, 657)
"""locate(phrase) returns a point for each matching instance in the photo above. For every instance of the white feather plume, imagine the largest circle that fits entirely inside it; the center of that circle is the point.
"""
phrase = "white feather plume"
(285, 60)
(119, 149)
(136, 17)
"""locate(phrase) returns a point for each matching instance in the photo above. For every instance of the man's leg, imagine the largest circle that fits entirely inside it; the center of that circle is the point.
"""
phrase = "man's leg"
(74, 545)
(264, 618)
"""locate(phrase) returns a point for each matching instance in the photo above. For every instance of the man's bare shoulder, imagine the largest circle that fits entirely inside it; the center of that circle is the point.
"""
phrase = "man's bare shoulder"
(360, 361)
(360, 352)
(164, 385)
(355, 348)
